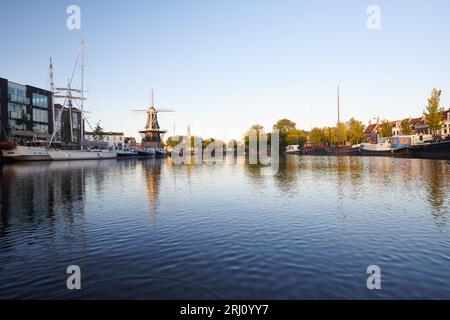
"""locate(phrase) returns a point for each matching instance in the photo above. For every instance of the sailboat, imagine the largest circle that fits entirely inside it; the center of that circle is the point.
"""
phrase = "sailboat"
(44, 150)
(82, 154)
(30, 152)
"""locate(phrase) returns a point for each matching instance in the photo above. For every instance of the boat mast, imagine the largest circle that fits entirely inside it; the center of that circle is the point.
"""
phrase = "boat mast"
(82, 93)
(69, 97)
(52, 90)
(339, 117)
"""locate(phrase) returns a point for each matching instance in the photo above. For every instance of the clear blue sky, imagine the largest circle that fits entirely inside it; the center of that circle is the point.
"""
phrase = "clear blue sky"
(224, 65)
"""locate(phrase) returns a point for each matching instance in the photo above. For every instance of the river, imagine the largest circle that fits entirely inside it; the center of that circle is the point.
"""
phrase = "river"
(227, 230)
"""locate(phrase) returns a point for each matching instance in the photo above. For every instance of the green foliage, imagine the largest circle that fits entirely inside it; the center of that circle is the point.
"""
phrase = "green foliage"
(295, 137)
(350, 132)
(173, 141)
(433, 112)
(328, 135)
(317, 137)
(386, 129)
(289, 134)
(284, 125)
(340, 133)
(355, 131)
(98, 133)
(406, 127)
(23, 120)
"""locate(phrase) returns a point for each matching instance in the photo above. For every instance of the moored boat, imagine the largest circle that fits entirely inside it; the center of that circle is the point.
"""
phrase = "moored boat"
(126, 153)
(25, 153)
(343, 150)
(439, 150)
(293, 149)
(82, 153)
(314, 151)
(65, 155)
(382, 148)
(160, 152)
(146, 153)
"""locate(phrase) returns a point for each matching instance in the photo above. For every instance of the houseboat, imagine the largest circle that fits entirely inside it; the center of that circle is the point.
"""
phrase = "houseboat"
(382, 148)
(430, 150)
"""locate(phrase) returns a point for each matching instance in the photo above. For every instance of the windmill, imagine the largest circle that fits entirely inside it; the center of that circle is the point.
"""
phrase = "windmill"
(151, 135)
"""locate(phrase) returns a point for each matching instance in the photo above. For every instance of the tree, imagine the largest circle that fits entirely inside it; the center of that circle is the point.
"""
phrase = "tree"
(386, 129)
(23, 120)
(98, 133)
(284, 125)
(355, 131)
(317, 137)
(173, 141)
(340, 133)
(296, 137)
(433, 113)
(406, 127)
(288, 134)
(327, 135)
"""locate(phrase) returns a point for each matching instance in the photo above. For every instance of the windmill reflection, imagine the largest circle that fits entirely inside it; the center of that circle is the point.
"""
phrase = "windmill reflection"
(152, 171)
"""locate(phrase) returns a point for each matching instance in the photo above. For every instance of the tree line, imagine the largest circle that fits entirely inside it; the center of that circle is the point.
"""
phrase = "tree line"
(344, 133)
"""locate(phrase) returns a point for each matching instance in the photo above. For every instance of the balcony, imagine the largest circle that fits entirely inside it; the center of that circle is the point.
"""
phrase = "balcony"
(17, 99)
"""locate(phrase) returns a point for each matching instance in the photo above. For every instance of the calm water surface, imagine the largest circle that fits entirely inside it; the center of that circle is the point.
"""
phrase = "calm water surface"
(152, 230)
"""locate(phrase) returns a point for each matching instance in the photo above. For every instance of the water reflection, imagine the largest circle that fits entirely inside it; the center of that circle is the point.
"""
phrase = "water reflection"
(356, 177)
(152, 170)
(224, 224)
(255, 173)
(36, 193)
(437, 191)
(287, 176)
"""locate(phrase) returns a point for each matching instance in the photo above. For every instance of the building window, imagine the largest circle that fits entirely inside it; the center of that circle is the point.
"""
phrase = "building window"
(40, 100)
(74, 120)
(40, 115)
(17, 93)
(40, 128)
(12, 125)
(15, 111)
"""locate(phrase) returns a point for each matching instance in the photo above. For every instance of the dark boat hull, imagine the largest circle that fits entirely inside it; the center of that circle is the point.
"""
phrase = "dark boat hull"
(438, 150)
(314, 152)
(370, 153)
(342, 151)
(143, 154)
(126, 155)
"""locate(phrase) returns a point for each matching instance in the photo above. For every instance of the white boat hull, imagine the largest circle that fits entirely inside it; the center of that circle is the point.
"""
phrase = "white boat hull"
(24, 153)
(66, 155)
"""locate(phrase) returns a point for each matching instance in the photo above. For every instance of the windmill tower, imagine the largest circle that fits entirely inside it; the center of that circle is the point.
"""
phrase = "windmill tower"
(151, 135)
